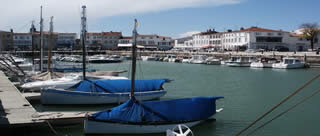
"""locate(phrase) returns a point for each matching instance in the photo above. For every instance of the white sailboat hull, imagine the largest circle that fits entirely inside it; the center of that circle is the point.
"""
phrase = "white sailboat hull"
(100, 127)
(261, 65)
(238, 64)
(63, 83)
(55, 96)
(288, 66)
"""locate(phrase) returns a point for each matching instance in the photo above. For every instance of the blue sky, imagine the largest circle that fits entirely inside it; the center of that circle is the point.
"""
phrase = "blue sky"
(274, 14)
(166, 17)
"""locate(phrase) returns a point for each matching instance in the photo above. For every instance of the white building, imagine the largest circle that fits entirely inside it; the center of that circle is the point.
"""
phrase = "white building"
(250, 38)
(210, 38)
(154, 42)
(253, 38)
(183, 43)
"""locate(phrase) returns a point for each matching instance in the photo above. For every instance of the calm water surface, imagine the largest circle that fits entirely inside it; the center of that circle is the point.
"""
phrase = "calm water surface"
(248, 94)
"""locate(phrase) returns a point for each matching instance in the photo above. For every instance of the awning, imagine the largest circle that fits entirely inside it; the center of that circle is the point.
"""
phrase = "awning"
(206, 47)
(129, 45)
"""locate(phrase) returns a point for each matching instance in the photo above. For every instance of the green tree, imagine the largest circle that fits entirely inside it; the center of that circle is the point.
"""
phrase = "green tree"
(310, 32)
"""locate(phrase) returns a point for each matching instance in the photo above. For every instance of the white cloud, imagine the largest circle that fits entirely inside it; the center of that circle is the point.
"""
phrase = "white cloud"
(18, 13)
(186, 34)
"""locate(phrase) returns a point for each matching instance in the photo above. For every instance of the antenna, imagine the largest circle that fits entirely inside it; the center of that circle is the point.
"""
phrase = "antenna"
(83, 38)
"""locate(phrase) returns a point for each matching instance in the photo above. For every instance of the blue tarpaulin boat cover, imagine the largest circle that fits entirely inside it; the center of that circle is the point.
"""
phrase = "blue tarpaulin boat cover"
(187, 109)
(118, 86)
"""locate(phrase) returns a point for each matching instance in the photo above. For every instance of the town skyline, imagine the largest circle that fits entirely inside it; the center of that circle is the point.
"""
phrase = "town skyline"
(170, 18)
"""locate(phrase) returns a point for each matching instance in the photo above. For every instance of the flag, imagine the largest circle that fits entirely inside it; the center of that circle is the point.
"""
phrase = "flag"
(136, 23)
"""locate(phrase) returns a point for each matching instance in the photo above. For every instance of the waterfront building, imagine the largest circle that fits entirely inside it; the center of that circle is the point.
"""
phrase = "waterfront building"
(103, 40)
(151, 42)
(184, 43)
(155, 42)
(94, 41)
(6, 40)
(208, 39)
(66, 40)
(298, 42)
(22, 41)
(110, 39)
(253, 38)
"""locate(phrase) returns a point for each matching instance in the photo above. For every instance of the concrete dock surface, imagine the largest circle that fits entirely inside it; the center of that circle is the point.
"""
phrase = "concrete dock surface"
(16, 111)
(14, 108)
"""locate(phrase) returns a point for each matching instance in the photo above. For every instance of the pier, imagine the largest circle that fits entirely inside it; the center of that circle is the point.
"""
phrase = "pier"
(15, 109)
(17, 112)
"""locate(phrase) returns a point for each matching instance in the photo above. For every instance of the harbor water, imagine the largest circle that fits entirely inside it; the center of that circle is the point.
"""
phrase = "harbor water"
(248, 93)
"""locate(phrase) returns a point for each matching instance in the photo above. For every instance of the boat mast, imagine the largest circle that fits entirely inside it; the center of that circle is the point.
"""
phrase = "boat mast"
(50, 45)
(134, 57)
(41, 41)
(32, 40)
(83, 40)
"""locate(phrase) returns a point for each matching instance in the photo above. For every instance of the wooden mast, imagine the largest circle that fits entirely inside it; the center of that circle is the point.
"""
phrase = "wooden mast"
(32, 30)
(134, 57)
(83, 40)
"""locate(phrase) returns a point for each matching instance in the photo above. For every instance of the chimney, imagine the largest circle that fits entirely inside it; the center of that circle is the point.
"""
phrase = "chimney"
(229, 30)
(11, 30)
(241, 28)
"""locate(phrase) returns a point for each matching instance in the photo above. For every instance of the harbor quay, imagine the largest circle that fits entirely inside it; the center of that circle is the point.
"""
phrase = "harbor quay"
(310, 57)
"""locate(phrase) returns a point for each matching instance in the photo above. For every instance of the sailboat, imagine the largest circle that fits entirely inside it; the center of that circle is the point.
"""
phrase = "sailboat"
(101, 91)
(136, 117)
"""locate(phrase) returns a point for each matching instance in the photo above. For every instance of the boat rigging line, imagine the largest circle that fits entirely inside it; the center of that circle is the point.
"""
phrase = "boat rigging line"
(275, 107)
(282, 113)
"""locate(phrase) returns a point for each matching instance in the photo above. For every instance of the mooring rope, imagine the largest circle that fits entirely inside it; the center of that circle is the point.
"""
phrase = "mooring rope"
(51, 128)
(289, 109)
(275, 107)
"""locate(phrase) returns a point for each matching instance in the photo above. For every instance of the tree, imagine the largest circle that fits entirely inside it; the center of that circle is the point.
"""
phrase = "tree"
(310, 32)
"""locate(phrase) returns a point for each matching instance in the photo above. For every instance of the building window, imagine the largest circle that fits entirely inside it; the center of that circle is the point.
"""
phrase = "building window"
(269, 39)
(279, 34)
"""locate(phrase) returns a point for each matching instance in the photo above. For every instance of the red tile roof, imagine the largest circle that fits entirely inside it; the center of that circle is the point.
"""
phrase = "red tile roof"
(153, 35)
(258, 29)
(21, 33)
(111, 33)
(94, 33)
(126, 37)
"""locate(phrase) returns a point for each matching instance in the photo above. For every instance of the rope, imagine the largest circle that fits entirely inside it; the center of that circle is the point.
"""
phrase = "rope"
(51, 128)
(294, 106)
(275, 107)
